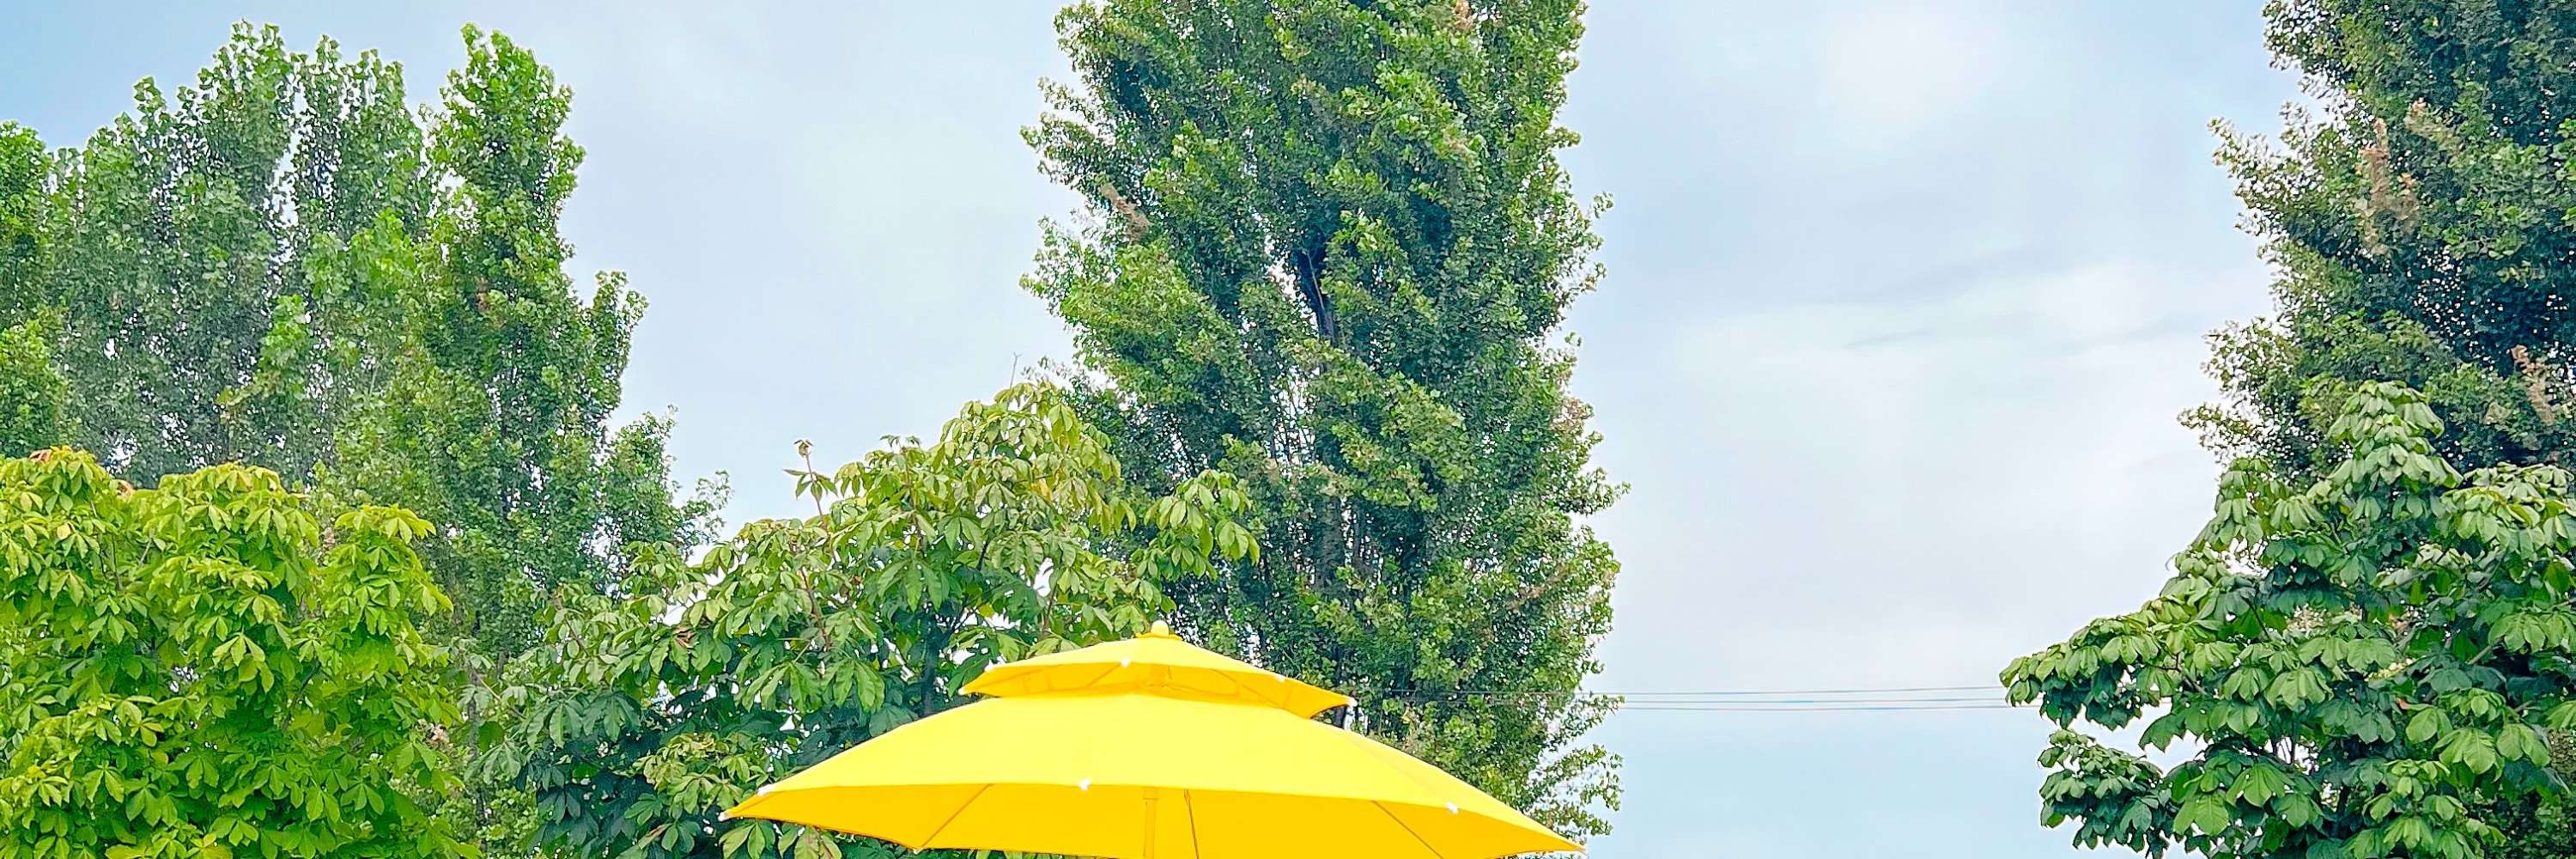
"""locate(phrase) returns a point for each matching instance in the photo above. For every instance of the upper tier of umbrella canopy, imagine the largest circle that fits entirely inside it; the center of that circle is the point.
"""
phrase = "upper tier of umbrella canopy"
(1157, 662)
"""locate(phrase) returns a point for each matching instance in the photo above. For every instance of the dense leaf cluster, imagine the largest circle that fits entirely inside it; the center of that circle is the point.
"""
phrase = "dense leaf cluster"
(1334, 244)
(185, 235)
(641, 716)
(1320, 316)
(2421, 220)
(2423, 225)
(286, 264)
(35, 399)
(203, 669)
(2362, 664)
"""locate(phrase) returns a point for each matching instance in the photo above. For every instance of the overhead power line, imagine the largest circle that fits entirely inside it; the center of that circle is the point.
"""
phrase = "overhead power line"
(1740, 702)
(1592, 693)
(1874, 708)
(1871, 699)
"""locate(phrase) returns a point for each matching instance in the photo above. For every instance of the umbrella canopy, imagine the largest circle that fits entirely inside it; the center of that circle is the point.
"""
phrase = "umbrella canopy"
(1148, 748)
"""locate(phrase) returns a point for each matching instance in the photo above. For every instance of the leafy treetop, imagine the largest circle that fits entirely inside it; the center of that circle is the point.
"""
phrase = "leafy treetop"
(641, 716)
(1334, 247)
(2420, 225)
(2363, 662)
(202, 669)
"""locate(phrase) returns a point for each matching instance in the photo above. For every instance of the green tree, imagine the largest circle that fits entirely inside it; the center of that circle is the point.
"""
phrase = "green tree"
(644, 714)
(2363, 663)
(179, 243)
(289, 265)
(2419, 226)
(35, 400)
(2417, 222)
(1334, 245)
(203, 669)
(494, 422)
(25, 165)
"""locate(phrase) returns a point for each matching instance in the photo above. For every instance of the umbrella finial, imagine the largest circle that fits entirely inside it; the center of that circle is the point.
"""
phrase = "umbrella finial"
(1161, 629)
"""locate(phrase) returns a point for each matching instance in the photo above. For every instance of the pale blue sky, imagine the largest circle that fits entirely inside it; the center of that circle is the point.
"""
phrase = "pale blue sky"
(1903, 298)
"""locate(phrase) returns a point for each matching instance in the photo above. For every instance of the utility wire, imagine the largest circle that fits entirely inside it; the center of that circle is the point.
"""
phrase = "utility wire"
(1906, 689)
(1909, 691)
(1876, 699)
(1742, 702)
(1998, 705)
(1591, 693)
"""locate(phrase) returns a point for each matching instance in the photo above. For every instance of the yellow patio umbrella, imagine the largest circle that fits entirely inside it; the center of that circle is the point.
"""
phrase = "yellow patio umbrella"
(1148, 748)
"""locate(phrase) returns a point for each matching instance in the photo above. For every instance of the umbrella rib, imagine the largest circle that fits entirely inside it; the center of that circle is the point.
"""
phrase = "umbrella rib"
(1105, 670)
(953, 815)
(1408, 829)
(1246, 687)
(1190, 809)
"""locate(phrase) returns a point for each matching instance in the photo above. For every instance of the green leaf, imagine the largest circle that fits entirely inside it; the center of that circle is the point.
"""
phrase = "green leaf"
(2522, 742)
(2201, 814)
(2428, 723)
(2258, 784)
(2469, 747)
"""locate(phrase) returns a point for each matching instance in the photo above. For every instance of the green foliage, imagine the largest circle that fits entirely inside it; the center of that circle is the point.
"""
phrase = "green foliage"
(35, 401)
(181, 242)
(2534, 828)
(35, 398)
(202, 669)
(2365, 664)
(2418, 225)
(644, 713)
(500, 379)
(288, 265)
(24, 167)
(1334, 245)
(2420, 228)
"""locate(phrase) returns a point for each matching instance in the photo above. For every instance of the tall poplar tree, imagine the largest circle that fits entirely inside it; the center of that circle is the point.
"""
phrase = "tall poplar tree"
(1333, 252)
(23, 167)
(2420, 221)
(288, 264)
(185, 244)
(494, 419)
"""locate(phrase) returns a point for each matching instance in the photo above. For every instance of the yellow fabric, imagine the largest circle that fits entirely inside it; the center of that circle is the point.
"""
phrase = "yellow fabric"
(1154, 659)
(1134, 764)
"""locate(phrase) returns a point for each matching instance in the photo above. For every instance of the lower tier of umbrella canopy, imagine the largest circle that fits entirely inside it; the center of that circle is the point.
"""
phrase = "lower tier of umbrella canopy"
(1148, 776)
